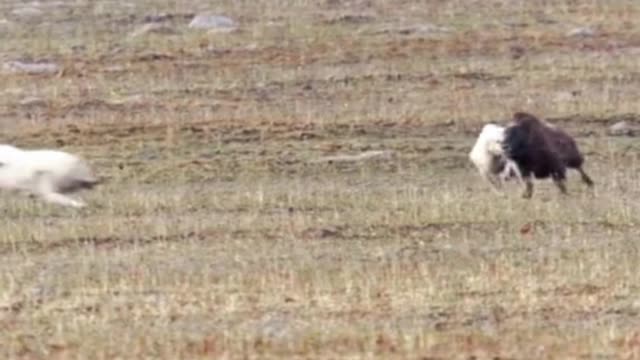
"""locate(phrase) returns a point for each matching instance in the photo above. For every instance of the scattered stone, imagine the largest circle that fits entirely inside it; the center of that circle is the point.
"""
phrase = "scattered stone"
(367, 155)
(581, 32)
(275, 23)
(27, 12)
(167, 17)
(136, 99)
(115, 69)
(153, 28)
(430, 28)
(322, 233)
(622, 128)
(517, 51)
(148, 154)
(48, 4)
(353, 19)
(278, 327)
(213, 23)
(78, 48)
(516, 24)
(419, 29)
(30, 68)
(33, 101)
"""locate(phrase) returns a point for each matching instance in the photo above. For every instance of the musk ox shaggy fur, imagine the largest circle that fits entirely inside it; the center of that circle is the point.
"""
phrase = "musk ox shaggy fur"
(542, 150)
(47, 174)
(489, 158)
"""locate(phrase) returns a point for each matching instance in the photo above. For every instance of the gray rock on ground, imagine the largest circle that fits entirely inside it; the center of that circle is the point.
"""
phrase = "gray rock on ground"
(423, 29)
(278, 327)
(26, 12)
(33, 101)
(622, 128)
(367, 155)
(581, 32)
(213, 23)
(30, 67)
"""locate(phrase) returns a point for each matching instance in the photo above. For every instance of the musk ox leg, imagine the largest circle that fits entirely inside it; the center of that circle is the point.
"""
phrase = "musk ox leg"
(528, 191)
(585, 178)
(561, 185)
(559, 181)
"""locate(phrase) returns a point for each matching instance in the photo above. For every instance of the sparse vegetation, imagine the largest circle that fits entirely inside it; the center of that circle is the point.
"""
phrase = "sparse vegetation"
(219, 234)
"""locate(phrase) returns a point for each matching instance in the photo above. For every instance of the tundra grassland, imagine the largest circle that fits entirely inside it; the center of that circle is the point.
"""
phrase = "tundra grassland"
(234, 224)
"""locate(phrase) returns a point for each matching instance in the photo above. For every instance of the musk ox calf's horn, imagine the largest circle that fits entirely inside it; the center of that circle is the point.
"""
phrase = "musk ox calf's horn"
(47, 174)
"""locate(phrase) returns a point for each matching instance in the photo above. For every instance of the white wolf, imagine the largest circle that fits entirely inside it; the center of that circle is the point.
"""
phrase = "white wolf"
(48, 174)
(489, 157)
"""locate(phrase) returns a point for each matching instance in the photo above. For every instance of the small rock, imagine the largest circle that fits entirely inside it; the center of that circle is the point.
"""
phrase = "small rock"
(542, 19)
(33, 101)
(148, 154)
(213, 23)
(167, 17)
(419, 29)
(157, 18)
(115, 69)
(27, 12)
(351, 19)
(274, 23)
(516, 24)
(431, 29)
(30, 68)
(278, 327)
(153, 28)
(581, 32)
(322, 233)
(48, 4)
(136, 99)
(621, 128)
(367, 155)
(517, 51)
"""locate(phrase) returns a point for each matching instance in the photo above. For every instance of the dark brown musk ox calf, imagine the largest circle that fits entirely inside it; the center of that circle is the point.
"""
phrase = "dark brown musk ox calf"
(542, 150)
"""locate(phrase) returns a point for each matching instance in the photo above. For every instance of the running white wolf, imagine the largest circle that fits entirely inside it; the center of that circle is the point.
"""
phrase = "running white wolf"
(48, 174)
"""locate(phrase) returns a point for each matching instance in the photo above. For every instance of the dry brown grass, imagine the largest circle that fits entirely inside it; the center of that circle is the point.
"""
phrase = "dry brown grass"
(218, 235)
